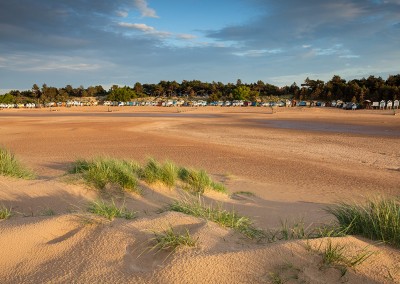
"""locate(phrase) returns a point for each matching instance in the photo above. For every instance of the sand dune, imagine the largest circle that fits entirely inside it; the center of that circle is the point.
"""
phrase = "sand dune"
(294, 171)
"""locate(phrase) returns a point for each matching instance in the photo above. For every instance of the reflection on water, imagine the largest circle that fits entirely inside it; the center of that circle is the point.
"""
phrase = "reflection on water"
(333, 127)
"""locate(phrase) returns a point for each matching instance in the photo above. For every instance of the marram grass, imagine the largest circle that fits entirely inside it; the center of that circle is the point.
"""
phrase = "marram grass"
(109, 210)
(198, 181)
(298, 230)
(102, 171)
(377, 219)
(166, 173)
(171, 240)
(336, 255)
(10, 166)
(5, 212)
(224, 218)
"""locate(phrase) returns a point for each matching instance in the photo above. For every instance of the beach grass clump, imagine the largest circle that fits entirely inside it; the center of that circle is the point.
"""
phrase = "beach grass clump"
(151, 172)
(109, 210)
(5, 212)
(171, 240)
(10, 166)
(197, 181)
(169, 174)
(377, 219)
(166, 173)
(228, 219)
(102, 171)
(219, 187)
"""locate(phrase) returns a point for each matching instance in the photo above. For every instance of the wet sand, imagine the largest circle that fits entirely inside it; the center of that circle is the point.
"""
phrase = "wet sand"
(296, 162)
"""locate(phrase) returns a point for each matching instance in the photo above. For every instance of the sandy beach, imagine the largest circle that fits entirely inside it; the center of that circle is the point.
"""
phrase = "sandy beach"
(296, 162)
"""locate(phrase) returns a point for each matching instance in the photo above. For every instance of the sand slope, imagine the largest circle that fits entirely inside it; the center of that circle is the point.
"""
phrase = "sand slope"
(74, 246)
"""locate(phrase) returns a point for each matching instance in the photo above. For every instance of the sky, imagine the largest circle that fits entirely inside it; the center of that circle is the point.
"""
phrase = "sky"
(104, 42)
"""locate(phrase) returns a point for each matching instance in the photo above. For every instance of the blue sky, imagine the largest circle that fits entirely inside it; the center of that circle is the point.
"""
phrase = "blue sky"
(82, 42)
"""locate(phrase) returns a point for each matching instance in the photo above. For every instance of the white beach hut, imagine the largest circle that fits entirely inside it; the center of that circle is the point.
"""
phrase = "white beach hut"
(396, 104)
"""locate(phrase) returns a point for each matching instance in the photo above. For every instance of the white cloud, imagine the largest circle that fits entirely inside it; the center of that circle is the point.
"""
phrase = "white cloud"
(29, 62)
(71, 66)
(122, 14)
(153, 31)
(349, 56)
(257, 52)
(347, 73)
(186, 36)
(337, 48)
(141, 27)
(392, 2)
(144, 9)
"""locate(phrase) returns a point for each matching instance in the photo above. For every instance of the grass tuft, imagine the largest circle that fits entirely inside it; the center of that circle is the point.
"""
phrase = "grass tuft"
(151, 173)
(298, 230)
(229, 219)
(169, 174)
(47, 212)
(219, 187)
(171, 240)
(5, 212)
(337, 255)
(378, 219)
(288, 231)
(275, 278)
(10, 166)
(197, 181)
(166, 173)
(102, 171)
(109, 211)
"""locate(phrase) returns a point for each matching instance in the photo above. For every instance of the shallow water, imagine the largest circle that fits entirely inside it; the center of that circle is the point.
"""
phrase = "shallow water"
(333, 127)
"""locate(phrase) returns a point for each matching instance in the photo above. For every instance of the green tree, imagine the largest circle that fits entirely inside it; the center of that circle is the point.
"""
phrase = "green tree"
(241, 93)
(7, 99)
(123, 94)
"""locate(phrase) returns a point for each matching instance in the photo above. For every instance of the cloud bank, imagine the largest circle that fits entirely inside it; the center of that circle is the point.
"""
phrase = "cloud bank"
(124, 41)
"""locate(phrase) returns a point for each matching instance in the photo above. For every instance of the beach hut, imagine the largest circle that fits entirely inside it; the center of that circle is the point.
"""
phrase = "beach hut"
(396, 104)
(382, 104)
(367, 104)
(389, 105)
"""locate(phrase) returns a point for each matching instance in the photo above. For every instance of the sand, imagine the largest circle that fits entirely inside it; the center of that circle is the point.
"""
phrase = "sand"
(296, 161)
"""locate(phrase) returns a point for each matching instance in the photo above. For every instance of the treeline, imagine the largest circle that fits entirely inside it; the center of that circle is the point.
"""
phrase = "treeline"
(371, 88)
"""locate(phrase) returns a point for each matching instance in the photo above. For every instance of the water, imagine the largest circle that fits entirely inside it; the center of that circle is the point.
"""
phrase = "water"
(333, 127)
